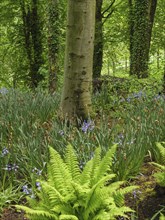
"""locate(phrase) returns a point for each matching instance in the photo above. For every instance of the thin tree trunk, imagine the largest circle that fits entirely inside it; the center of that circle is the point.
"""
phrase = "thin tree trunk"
(141, 19)
(53, 43)
(33, 42)
(76, 95)
(98, 43)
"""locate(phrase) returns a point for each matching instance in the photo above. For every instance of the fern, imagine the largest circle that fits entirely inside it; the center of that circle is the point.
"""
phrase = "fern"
(160, 153)
(160, 176)
(72, 194)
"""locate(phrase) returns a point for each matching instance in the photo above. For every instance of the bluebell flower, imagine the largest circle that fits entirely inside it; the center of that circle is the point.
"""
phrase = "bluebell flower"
(38, 185)
(3, 91)
(27, 190)
(8, 167)
(11, 167)
(135, 193)
(37, 171)
(61, 132)
(87, 126)
(5, 151)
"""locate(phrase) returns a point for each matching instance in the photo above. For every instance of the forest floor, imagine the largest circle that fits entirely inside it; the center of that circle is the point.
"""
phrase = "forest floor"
(147, 200)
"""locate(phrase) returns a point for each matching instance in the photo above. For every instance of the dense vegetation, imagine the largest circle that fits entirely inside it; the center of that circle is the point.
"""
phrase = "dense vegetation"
(109, 157)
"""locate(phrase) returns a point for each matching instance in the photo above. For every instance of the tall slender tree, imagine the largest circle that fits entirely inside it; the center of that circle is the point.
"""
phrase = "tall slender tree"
(101, 17)
(76, 95)
(141, 18)
(53, 42)
(32, 40)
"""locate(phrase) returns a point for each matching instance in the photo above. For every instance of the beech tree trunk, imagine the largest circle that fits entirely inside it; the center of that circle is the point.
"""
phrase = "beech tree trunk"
(76, 95)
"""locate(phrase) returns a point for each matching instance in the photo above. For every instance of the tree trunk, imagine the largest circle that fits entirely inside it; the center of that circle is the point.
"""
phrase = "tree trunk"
(76, 95)
(33, 42)
(98, 43)
(142, 14)
(53, 42)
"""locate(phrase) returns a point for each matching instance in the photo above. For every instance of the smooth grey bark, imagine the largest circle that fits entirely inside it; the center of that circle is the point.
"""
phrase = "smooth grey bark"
(77, 88)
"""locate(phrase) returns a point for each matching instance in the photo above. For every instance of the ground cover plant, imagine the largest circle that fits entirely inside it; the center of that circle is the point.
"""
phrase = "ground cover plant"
(30, 123)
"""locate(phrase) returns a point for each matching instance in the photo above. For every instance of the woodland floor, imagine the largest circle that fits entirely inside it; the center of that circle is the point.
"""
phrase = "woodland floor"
(147, 200)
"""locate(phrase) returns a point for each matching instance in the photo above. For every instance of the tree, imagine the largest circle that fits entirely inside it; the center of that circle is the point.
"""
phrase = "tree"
(101, 16)
(32, 40)
(76, 94)
(141, 20)
(53, 42)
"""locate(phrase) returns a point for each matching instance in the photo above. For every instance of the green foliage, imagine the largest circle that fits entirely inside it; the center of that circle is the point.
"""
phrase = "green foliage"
(160, 176)
(159, 153)
(9, 196)
(71, 194)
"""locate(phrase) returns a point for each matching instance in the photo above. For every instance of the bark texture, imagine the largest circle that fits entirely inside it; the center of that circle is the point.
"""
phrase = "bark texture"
(32, 41)
(98, 44)
(141, 20)
(53, 42)
(76, 95)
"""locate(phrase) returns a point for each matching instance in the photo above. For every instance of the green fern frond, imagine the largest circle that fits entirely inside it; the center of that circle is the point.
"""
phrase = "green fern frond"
(93, 199)
(95, 164)
(160, 176)
(37, 214)
(120, 193)
(55, 197)
(90, 198)
(162, 217)
(105, 164)
(85, 177)
(60, 172)
(160, 153)
(162, 167)
(116, 211)
(72, 163)
(68, 217)
(63, 209)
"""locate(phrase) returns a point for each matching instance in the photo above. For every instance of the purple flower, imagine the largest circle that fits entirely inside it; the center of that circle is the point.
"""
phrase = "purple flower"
(37, 171)
(4, 151)
(87, 126)
(61, 132)
(3, 91)
(26, 189)
(136, 193)
(11, 167)
(38, 185)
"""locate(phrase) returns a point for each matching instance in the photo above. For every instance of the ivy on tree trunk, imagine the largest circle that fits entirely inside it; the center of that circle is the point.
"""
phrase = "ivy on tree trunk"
(141, 20)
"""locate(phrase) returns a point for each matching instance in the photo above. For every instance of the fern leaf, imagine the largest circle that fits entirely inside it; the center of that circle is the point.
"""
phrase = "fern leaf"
(68, 217)
(161, 152)
(162, 217)
(85, 177)
(38, 214)
(60, 172)
(105, 164)
(93, 199)
(55, 197)
(72, 163)
(159, 166)
(95, 165)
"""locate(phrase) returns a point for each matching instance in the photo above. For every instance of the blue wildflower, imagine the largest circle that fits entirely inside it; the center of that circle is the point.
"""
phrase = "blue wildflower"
(3, 91)
(11, 167)
(61, 132)
(5, 151)
(38, 185)
(27, 190)
(37, 171)
(89, 125)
